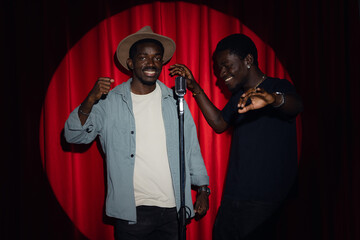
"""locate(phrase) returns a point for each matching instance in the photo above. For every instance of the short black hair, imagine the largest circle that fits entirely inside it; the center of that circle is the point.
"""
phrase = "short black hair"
(133, 48)
(238, 44)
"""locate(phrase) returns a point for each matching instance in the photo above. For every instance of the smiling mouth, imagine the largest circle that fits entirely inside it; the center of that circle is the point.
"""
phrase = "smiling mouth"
(228, 79)
(150, 73)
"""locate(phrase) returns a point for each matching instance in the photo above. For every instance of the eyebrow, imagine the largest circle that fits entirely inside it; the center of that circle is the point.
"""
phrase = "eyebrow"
(224, 62)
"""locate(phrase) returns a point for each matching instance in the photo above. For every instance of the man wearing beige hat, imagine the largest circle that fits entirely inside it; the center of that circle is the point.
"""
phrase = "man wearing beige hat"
(137, 123)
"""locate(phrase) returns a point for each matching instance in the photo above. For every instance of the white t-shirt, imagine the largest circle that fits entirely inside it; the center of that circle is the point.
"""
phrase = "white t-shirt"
(152, 179)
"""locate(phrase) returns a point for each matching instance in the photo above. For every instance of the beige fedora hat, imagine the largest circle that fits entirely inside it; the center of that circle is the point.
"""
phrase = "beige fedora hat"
(124, 46)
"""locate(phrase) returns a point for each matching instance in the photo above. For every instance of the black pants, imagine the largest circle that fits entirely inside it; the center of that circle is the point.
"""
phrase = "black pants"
(246, 220)
(153, 223)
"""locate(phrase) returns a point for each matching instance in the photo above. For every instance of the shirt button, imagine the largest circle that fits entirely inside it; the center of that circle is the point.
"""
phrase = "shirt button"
(132, 132)
(132, 155)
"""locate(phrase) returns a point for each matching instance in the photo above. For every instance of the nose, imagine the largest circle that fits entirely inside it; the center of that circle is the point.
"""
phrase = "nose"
(223, 72)
(150, 62)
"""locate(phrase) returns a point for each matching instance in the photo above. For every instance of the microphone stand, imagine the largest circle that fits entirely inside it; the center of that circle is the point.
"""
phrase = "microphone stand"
(182, 170)
(180, 90)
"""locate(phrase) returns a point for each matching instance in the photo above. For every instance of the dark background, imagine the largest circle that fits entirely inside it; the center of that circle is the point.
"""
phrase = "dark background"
(318, 43)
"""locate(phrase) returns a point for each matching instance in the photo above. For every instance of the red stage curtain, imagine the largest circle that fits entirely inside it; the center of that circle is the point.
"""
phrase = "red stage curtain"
(76, 173)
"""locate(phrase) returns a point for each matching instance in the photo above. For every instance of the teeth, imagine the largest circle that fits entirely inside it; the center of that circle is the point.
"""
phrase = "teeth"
(150, 73)
(228, 79)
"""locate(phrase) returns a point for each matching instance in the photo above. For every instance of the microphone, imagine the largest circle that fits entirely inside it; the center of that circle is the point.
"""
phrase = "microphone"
(180, 86)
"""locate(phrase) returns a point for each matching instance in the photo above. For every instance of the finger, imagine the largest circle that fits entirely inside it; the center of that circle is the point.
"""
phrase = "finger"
(105, 82)
(177, 65)
(104, 85)
(202, 211)
(259, 90)
(180, 73)
(176, 72)
(199, 210)
(196, 207)
(199, 205)
(243, 101)
(173, 68)
(246, 109)
(248, 94)
(107, 79)
(105, 90)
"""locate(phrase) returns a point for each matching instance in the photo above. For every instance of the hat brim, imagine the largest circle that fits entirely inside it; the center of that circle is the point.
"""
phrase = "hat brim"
(124, 46)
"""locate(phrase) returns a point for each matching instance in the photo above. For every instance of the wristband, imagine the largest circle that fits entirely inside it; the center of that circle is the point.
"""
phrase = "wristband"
(83, 113)
(282, 99)
(204, 189)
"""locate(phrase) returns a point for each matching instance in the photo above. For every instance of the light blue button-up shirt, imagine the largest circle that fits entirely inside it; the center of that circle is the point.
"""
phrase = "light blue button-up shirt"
(112, 119)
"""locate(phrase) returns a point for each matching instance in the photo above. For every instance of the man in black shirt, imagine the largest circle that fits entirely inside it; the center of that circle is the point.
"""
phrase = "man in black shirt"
(263, 156)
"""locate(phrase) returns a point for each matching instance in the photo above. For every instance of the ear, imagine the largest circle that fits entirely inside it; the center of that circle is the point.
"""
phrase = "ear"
(130, 63)
(249, 59)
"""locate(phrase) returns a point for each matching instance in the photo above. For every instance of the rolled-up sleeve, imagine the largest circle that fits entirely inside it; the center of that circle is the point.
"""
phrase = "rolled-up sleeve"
(74, 132)
(198, 173)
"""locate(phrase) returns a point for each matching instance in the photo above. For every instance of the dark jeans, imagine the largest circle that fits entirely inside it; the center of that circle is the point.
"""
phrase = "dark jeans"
(152, 223)
(245, 220)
